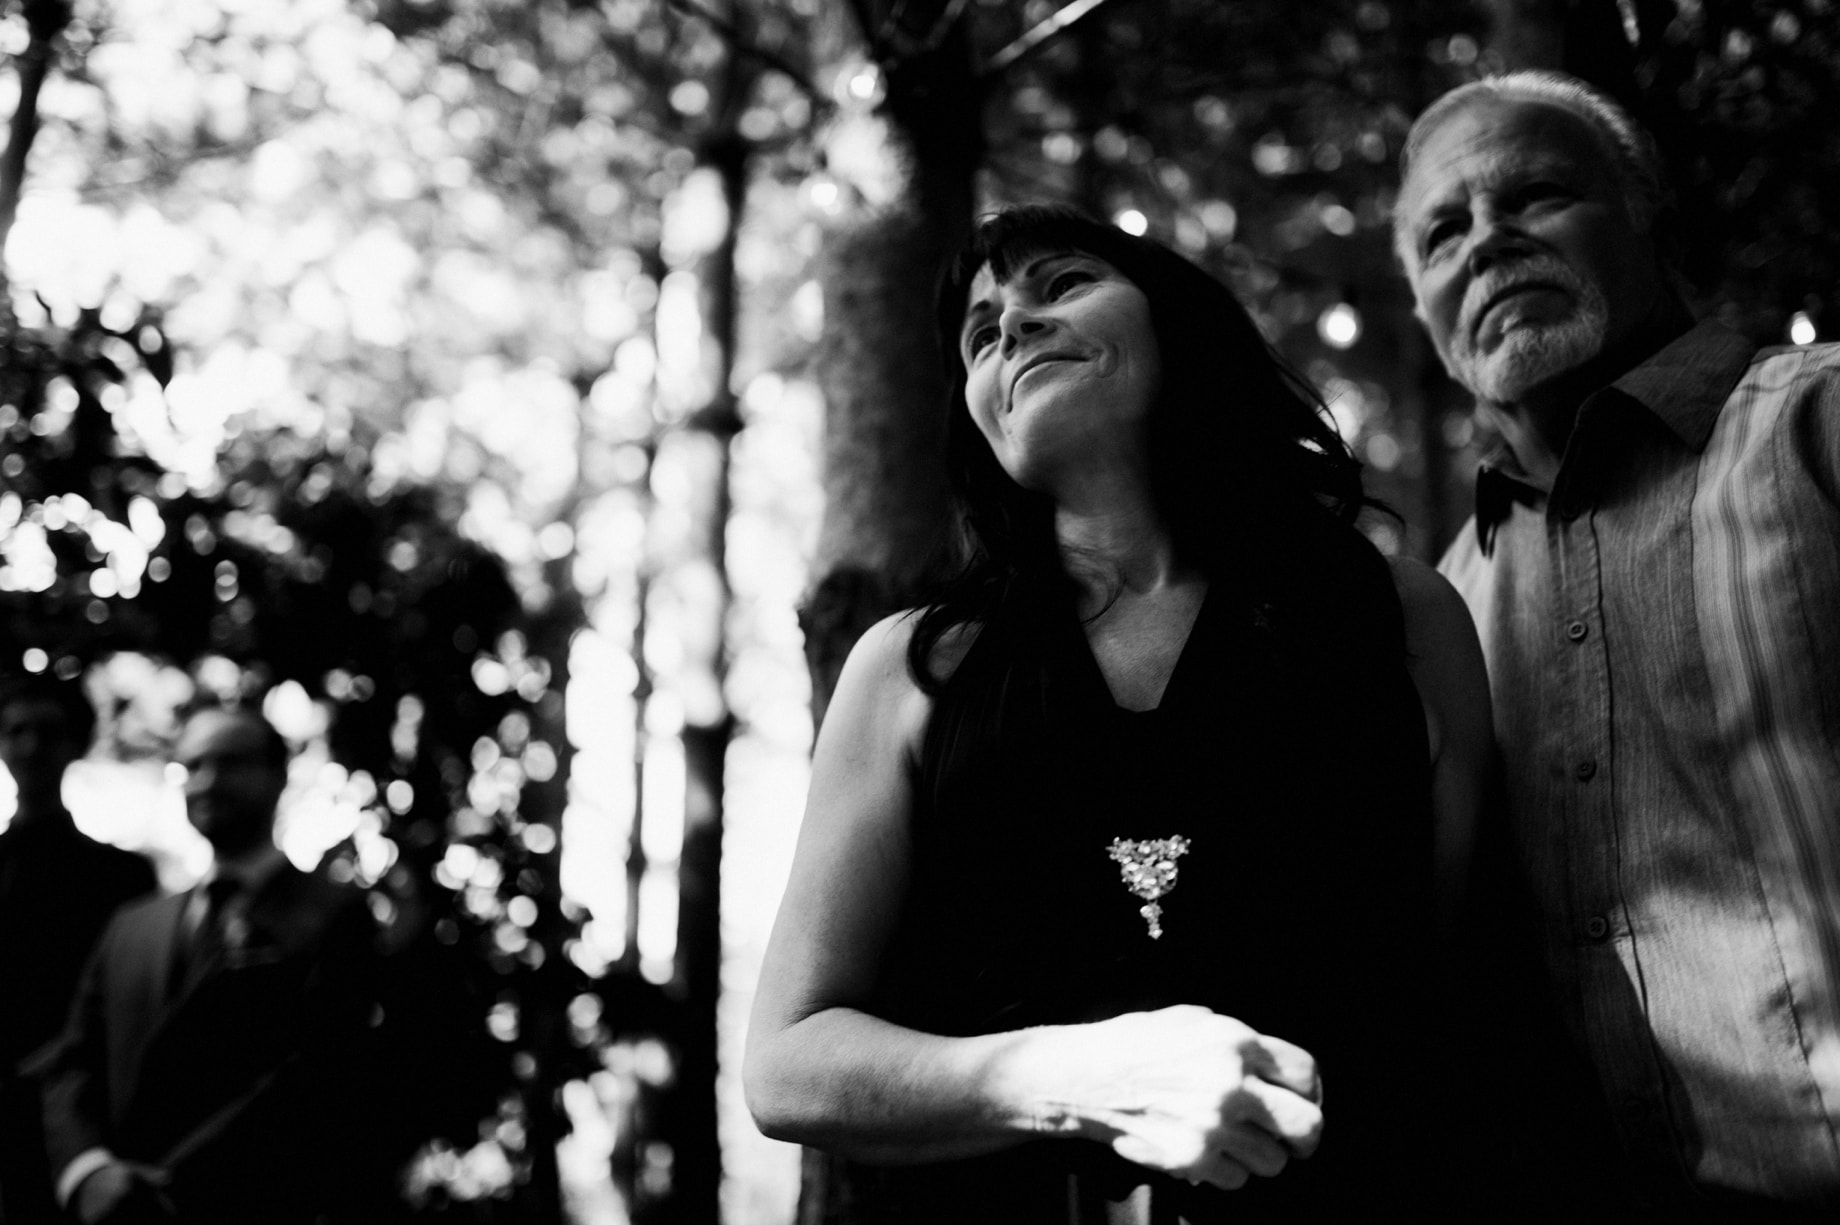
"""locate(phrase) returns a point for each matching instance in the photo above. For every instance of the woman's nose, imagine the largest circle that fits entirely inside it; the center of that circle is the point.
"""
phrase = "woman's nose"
(1018, 323)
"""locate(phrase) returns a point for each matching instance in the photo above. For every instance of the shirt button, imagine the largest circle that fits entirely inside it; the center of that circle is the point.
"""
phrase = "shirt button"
(1585, 770)
(1597, 927)
(1577, 631)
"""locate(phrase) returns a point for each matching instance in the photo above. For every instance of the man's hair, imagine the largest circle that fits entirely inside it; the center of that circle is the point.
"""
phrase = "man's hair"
(275, 750)
(1627, 144)
(66, 696)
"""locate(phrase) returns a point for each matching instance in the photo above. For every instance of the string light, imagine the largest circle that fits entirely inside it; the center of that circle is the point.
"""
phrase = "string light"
(1339, 325)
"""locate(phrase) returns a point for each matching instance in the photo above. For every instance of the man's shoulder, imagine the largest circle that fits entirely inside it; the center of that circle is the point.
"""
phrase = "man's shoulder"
(140, 913)
(304, 907)
(1793, 368)
(1790, 396)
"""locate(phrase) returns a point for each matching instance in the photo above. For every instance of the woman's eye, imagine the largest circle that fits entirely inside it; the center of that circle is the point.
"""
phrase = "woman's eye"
(979, 338)
(1061, 282)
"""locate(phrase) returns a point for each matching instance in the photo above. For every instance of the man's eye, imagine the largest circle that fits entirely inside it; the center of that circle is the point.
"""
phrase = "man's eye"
(1544, 193)
(1438, 234)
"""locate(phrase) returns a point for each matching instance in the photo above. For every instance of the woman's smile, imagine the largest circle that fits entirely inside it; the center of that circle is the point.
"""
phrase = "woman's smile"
(1068, 338)
(1033, 364)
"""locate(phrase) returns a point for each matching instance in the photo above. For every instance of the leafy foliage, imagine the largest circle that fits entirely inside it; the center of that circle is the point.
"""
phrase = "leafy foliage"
(1741, 96)
(298, 566)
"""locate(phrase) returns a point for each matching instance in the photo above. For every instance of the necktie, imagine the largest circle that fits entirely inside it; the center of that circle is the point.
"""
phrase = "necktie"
(207, 938)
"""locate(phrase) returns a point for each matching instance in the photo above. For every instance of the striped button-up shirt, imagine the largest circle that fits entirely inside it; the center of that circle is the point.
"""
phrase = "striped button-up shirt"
(1663, 641)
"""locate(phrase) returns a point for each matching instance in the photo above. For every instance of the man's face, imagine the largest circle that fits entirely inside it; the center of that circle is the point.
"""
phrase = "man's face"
(1523, 259)
(37, 745)
(231, 788)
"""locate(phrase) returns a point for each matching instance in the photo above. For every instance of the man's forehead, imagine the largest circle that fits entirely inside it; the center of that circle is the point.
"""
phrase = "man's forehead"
(1495, 140)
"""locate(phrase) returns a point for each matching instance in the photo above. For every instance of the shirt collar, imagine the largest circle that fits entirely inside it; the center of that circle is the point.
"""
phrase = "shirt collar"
(1683, 385)
(251, 871)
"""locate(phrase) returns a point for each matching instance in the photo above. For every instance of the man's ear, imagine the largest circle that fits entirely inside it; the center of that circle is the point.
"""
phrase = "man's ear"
(1667, 239)
(1665, 235)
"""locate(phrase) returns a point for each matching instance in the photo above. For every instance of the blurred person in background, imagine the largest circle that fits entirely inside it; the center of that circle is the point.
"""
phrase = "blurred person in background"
(58, 888)
(217, 1063)
(1124, 863)
(1654, 567)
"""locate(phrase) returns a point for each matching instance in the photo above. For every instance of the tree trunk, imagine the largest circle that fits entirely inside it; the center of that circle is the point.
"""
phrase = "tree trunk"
(879, 366)
(690, 1120)
(548, 987)
(879, 369)
(45, 20)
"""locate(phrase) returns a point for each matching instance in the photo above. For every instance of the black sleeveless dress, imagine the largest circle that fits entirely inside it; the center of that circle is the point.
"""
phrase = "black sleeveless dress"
(1289, 750)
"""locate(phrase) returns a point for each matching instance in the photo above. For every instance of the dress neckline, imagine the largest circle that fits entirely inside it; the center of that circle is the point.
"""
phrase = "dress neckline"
(1089, 664)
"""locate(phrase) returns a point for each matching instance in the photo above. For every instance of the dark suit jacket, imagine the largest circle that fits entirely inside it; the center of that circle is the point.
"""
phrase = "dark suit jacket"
(244, 1076)
(57, 890)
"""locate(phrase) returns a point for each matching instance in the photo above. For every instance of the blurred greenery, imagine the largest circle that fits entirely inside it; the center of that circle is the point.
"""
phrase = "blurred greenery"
(457, 365)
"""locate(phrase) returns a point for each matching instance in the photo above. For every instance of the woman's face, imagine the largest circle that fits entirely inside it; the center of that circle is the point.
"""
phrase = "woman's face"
(1061, 366)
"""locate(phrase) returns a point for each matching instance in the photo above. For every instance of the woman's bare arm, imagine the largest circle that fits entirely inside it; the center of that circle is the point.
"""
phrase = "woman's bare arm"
(1181, 1089)
(820, 1070)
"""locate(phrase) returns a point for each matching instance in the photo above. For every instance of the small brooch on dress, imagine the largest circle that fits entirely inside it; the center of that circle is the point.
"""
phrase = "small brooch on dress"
(1149, 871)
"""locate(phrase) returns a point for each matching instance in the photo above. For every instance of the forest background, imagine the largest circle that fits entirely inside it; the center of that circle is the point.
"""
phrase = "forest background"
(527, 401)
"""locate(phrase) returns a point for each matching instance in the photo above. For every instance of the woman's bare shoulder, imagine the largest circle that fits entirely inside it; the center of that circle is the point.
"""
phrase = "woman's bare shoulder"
(1431, 606)
(889, 644)
(1443, 654)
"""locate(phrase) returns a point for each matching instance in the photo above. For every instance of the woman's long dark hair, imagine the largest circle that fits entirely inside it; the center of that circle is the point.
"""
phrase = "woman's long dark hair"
(1246, 469)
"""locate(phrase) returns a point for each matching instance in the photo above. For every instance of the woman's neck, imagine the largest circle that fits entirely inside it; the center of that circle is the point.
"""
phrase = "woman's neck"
(1118, 549)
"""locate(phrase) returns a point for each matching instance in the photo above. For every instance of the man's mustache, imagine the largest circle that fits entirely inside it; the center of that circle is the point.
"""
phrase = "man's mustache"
(1504, 279)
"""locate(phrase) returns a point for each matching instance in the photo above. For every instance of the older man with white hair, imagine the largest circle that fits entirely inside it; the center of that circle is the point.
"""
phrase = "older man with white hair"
(1654, 566)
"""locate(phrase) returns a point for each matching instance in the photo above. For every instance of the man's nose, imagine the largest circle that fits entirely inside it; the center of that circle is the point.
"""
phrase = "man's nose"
(1495, 239)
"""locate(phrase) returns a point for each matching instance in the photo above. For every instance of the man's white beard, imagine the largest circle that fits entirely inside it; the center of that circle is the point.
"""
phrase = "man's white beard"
(1529, 354)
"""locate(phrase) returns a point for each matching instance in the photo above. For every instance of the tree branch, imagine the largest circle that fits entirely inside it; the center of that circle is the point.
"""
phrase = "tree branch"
(1033, 39)
(743, 46)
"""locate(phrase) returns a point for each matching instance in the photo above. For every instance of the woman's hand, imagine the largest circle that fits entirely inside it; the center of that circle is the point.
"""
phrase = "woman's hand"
(1193, 1093)
(1182, 1089)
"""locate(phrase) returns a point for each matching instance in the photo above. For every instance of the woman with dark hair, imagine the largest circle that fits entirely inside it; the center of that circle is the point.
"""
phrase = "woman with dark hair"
(1122, 862)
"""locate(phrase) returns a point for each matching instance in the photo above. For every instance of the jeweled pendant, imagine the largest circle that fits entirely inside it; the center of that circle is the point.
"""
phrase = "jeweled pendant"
(1149, 871)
